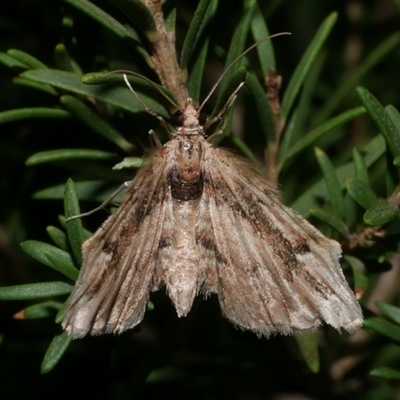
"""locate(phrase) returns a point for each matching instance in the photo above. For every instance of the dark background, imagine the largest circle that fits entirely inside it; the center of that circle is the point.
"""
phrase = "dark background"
(202, 356)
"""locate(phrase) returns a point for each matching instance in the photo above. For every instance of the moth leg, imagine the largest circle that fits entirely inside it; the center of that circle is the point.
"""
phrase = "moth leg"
(102, 205)
(154, 140)
(148, 110)
(221, 114)
(218, 132)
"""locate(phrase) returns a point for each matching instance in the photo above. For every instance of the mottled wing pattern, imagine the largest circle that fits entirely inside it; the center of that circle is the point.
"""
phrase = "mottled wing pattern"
(118, 260)
(272, 270)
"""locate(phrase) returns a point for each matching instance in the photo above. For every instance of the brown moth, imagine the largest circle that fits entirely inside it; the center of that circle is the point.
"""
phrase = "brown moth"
(200, 219)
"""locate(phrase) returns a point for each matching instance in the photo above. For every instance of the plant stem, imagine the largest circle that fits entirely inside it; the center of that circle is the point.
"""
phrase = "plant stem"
(164, 55)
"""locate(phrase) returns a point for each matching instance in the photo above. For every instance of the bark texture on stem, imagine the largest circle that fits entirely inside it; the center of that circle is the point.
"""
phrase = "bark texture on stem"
(273, 83)
(164, 55)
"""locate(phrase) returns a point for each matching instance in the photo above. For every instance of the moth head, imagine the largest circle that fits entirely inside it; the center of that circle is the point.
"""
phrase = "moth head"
(190, 120)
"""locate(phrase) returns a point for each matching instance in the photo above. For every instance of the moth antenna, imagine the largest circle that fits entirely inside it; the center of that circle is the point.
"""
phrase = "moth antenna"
(147, 109)
(235, 61)
(221, 129)
(227, 106)
(102, 205)
(127, 72)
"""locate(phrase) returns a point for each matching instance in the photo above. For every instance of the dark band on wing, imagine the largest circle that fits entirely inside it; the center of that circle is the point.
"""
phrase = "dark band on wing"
(249, 208)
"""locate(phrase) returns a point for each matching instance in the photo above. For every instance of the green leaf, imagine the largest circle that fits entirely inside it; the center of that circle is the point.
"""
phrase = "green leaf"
(361, 192)
(56, 350)
(308, 346)
(372, 151)
(68, 154)
(26, 59)
(95, 122)
(359, 274)
(58, 237)
(385, 373)
(381, 213)
(62, 265)
(384, 328)
(139, 82)
(332, 183)
(60, 315)
(231, 84)
(150, 306)
(111, 94)
(34, 112)
(297, 124)
(86, 234)
(382, 120)
(195, 32)
(64, 61)
(169, 16)
(394, 115)
(36, 86)
(396, 161)
(262, 106)
(126, 34)
(11, 62)
(74, 227)
(389, 310)
(348, 85)
(130, 163)
(305, 63)
(265, 49)
(237, 43)
(243, 148)
(320, 131)
(87, 190)
(51, 256)
(360, 167)
(41, 310)
(195, 77)
(141, 16)
(332, 220)
(351, 210)
(32, 291)
(392, 175)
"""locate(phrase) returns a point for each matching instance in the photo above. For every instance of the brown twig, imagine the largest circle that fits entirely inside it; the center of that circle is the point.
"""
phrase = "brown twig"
(273, 83)
(372, 232)
(164, 55)
(368, 233)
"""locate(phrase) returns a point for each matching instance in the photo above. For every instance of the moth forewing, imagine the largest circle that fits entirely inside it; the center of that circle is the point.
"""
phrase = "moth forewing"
(275, 273)
(118, 261)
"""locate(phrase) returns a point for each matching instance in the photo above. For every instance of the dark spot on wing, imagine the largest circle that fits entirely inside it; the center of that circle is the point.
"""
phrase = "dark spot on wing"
(301, 248)
(210, 245)
(165, 243)
(319, 287)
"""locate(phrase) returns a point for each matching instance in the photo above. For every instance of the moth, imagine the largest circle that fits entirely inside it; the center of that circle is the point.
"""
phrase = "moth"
(201, 219)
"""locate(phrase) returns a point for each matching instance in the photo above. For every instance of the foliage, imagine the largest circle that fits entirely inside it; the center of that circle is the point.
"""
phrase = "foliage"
(66, 118)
